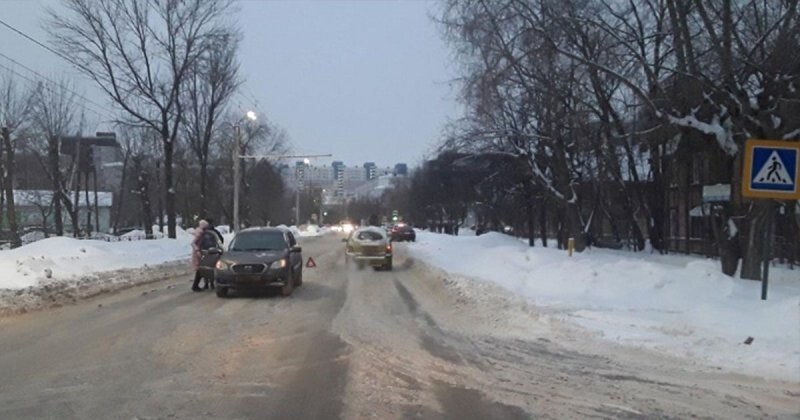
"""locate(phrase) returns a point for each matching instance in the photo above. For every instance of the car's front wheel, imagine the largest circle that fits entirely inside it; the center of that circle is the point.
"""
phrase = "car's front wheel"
(288, 286)
(222, 292)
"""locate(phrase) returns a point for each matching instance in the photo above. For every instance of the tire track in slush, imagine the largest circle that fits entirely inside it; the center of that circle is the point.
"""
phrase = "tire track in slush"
(456, 402)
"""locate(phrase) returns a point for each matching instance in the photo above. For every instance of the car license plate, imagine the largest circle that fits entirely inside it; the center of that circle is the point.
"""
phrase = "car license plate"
(249, 278)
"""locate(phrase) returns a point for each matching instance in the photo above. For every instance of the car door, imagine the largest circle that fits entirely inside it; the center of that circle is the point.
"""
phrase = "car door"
(295, 258)
(210, 255)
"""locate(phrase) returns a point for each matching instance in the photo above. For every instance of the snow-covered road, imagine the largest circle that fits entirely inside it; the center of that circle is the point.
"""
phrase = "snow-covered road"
(417, 342)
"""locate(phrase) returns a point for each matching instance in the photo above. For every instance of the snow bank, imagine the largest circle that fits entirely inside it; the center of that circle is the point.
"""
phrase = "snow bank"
(306, 231)
(679, 305)
(61, 258)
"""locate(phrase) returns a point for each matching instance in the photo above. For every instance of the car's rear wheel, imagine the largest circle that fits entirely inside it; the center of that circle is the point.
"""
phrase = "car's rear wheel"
(222, 292)
(288, 287)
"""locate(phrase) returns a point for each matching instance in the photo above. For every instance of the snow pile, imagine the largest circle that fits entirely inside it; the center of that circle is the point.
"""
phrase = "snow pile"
(679, 305)
(306, 231)
(61, 258)
(313, 230)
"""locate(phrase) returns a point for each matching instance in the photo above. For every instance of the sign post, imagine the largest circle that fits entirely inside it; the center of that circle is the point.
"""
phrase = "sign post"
(771, 171)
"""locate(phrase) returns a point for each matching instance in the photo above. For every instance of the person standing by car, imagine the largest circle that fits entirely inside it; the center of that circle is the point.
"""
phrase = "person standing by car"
(196, 245)
(214, 229)
(205, 238)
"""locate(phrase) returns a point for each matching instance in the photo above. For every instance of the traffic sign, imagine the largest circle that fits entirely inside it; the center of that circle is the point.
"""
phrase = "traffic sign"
(311, 263)
(771, 169)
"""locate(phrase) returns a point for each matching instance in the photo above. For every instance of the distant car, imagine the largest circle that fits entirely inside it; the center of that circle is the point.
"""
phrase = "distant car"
(346, 226)
(403, 232)
(124, 230)
(369, 246)
(260, 258)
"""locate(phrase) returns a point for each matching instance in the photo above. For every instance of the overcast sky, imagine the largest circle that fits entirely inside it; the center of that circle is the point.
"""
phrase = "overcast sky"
(363, 80)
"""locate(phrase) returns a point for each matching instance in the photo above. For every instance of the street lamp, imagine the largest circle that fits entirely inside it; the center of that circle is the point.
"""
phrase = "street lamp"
(237, 141)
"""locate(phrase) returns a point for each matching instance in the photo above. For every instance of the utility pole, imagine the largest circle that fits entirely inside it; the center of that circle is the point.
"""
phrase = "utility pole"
(237, 141)
(297, 191)
(321, 200)
(297, 204)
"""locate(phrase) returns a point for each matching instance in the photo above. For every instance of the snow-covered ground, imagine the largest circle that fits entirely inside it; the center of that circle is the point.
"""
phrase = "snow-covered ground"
(679, 305)
(63, 259)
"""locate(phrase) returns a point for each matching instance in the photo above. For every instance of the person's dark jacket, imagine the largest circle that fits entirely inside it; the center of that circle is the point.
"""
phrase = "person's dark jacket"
(219, 235)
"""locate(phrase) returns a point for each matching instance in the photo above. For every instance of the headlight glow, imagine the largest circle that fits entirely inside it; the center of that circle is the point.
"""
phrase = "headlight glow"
(282, 263)
(221, 265)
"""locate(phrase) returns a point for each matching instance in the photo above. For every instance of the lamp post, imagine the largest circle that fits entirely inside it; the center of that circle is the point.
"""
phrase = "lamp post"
(306, 161)
(237, 145)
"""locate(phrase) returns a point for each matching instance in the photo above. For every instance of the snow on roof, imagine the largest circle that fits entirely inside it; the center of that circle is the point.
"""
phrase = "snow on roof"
(372, 229)
(45, 197)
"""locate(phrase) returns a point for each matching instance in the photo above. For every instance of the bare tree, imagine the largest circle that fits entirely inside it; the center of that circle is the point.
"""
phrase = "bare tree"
(56, 114)
(522, 103)
(209, 89)
(15, 106)
(140, 147)
(141, 54)
(542, 76)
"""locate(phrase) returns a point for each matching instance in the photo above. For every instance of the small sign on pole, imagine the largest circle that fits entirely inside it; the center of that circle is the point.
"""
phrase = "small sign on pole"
(771, 171)
(716, 193)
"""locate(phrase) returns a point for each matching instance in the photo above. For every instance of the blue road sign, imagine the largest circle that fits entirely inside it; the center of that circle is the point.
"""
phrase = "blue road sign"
(777, 168)
(771, 169)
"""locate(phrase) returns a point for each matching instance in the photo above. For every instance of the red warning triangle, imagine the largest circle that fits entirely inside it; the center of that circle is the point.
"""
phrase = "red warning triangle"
(311, 263)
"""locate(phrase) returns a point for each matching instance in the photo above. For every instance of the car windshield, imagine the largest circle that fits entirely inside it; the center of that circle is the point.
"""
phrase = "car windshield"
(258, 241)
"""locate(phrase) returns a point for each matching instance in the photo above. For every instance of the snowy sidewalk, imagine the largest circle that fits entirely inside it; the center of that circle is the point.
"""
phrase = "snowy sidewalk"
(678, 305)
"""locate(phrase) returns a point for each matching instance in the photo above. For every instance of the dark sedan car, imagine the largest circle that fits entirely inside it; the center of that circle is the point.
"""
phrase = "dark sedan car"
(402, 233)
(260, 258)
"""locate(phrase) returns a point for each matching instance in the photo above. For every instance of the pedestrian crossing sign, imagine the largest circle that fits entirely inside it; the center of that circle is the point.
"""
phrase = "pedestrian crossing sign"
(771, 169)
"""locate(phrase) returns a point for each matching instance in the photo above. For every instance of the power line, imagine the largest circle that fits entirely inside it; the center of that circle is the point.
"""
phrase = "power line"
(60, 55)
(35, 41)
(12, 70)
(51, 81)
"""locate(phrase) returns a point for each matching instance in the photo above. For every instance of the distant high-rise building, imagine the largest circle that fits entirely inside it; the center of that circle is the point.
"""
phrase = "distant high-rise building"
(401, 169)
(370, 171)
(338, 177)
(300, 173)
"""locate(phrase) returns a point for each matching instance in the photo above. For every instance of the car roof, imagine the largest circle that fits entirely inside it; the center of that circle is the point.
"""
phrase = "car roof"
(265, 229)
